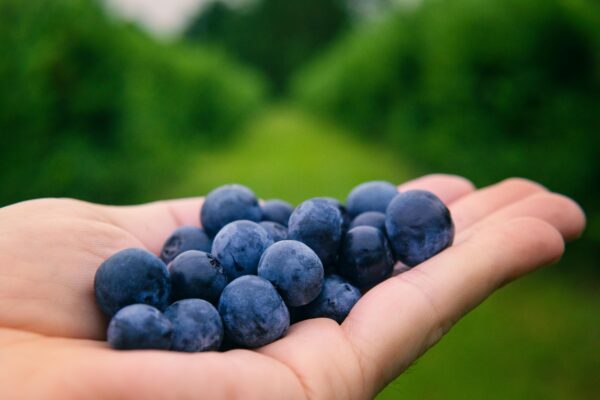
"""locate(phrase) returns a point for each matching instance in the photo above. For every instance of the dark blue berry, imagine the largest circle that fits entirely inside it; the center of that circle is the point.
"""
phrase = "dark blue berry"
(140, 326)
(318, 224)
(375, 219)
(365, 257)
(227, 204)
(197, 326)
(343, 211)
(238, 247)
(196, 274)
(335, 300)
(276, 231)
(419, 226)
(131, 276)
(370, 196)
(277, 211)
(253, 313)
(184, 239)
(294, 269)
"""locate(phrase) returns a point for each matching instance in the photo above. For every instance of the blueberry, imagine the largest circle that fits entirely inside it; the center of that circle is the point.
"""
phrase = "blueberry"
(197, 326)
(131, 276)
(375, 219)
(275, 230)
(140, 326)
(335, 300)
(343, 211)
(184, 239)
(238, 247)
(227, 204)
(294, 269)
(365, 256)
(318, 224)
(370, 196)
(253, 313)
(196, 274)
(277, 211)
(419, 226)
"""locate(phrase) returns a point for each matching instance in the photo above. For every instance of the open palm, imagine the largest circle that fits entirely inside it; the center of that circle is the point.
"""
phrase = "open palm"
(51, 330)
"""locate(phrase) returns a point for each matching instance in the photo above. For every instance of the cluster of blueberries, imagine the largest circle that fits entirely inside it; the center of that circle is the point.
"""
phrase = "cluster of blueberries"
(252, 269)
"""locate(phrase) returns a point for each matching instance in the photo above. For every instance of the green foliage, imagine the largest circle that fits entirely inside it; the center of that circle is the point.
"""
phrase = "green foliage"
(95, 109)
(275, 36)
(484, 89)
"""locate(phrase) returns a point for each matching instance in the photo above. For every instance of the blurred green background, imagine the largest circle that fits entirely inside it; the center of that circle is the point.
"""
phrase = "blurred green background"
(306, 98)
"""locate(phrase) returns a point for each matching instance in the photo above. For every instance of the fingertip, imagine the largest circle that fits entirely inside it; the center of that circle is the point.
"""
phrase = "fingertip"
(576, 215)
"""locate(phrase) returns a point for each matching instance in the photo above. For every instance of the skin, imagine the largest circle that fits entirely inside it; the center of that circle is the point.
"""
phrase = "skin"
(51, 331)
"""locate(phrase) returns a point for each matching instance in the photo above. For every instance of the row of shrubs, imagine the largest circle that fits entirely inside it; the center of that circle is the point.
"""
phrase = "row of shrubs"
(96, 109)
(484, 89)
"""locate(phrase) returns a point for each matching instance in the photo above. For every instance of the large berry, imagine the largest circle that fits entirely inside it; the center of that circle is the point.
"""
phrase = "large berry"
(253, 313)
(184, 239)
(275, 230)
(335, 300)
(277, 211)
(196, 274)
(365, 257)
(140, 326)
(227, 204)
(375, 219)
(370, 196)
(238, 247)
(131, 276)
(419, 226)
(197, 325)
(318, 224)
(294, 269)
(343, 211)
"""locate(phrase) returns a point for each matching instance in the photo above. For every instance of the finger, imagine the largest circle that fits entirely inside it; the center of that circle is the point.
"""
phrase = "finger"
(470, 209)
(559, 211)
(152, 223)
(398, 320)
(448, 188)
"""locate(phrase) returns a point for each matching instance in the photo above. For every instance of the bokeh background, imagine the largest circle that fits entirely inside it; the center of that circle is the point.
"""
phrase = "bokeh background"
(123, 101)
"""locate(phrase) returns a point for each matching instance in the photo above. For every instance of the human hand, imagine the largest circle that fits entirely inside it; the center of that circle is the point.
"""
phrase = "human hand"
(50, 327)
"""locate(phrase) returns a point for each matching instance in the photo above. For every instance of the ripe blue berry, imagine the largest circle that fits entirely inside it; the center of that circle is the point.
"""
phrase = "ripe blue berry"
(196, 274)
(365, 257)
(253, 313)
(276, 231)
(196, 324)
(226, 204)
(294, 269)
(318, 224)
(277, 211)
(335, 300)
(375, 219)
(184, 239)
(419, 226)
(131, 276)
(238, 247)
(139, 326)
(343, 211)
(370, 196)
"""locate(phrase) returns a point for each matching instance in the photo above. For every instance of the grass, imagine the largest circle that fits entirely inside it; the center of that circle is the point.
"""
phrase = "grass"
(537, 338)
